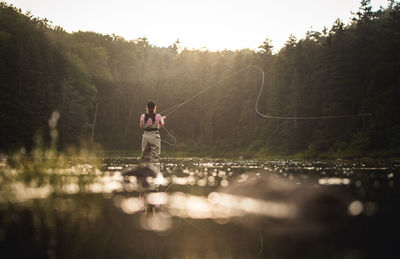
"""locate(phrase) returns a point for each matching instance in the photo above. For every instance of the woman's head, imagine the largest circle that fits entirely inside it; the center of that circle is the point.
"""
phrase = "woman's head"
(151, 106)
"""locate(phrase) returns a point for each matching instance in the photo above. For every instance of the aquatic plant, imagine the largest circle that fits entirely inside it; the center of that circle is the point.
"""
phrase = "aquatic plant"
(45, 169)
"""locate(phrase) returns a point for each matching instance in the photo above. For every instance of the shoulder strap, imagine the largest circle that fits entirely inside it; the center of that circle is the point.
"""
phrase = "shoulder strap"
(151, 116)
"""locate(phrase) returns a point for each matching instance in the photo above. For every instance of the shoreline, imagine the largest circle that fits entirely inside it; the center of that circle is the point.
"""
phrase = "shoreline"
(373, 156)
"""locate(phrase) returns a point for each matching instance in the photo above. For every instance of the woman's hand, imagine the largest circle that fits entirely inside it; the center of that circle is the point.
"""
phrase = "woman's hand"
(164, 117)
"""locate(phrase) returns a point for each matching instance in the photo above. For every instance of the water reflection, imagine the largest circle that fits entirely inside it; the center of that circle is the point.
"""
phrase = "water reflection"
(215, 206)
(231, 201)
(84, 178)
(334, 181)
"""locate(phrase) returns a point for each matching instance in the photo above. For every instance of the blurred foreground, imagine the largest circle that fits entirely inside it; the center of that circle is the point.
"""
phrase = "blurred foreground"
(203, 209)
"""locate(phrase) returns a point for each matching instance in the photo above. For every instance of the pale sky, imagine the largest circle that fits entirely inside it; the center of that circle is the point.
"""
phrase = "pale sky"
(214, 24)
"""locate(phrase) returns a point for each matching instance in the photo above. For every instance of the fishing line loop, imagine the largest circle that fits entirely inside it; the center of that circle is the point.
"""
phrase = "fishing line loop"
(174, 108)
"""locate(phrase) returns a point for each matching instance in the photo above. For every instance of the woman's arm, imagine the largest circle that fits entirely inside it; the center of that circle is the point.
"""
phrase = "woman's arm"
(161, 120)
(142, 121)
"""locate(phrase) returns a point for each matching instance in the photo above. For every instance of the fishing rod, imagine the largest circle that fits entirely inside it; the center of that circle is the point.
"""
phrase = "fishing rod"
(176, 107)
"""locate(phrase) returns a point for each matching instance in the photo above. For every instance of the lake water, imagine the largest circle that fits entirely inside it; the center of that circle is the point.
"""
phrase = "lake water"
(204, 208)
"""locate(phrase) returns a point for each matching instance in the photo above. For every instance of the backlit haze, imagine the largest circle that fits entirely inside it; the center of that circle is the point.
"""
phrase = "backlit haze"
(211, 24)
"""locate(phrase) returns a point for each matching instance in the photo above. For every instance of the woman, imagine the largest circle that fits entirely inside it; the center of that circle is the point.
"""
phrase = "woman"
(151, 122)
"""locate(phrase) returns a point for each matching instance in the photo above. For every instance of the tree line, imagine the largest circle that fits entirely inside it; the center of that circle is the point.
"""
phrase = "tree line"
(100, 84)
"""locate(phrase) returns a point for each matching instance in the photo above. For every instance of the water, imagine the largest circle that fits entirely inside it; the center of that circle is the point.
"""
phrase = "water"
(203, 208)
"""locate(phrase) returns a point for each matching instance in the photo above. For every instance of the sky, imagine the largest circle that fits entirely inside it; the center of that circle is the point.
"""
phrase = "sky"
(211, 24)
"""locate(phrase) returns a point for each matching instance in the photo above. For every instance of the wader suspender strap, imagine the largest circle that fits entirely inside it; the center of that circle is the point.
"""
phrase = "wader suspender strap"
(151, 116)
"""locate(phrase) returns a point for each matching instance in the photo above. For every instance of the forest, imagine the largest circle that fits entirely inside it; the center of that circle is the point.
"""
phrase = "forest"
(100, 85)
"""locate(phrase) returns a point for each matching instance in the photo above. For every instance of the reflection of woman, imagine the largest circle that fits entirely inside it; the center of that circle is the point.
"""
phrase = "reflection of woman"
(151, 122)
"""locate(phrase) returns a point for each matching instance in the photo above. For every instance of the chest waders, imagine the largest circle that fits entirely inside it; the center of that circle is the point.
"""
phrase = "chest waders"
(151, 140)
(151, 149)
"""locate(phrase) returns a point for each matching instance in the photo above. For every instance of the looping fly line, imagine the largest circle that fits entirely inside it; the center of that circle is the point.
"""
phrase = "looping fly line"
(174, 108)
(171, 136)
(297, 118)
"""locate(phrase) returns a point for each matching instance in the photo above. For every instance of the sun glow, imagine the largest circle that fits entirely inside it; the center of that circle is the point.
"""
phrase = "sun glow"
(214, 25)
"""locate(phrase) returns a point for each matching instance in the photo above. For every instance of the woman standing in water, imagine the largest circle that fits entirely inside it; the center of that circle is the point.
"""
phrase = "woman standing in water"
(151, 122)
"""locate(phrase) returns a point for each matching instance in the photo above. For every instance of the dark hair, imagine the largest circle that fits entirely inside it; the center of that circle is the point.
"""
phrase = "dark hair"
(151, 105)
